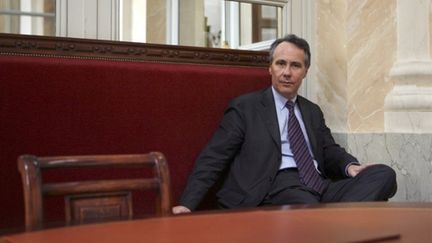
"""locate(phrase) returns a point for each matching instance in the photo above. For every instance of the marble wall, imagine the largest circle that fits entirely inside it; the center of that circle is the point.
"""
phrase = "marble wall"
(156, 21)
(329, 87)
(356, 45)
(410, 155)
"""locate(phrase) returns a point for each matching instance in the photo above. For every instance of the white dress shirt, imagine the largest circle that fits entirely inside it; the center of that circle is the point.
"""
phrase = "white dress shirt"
(282, 115)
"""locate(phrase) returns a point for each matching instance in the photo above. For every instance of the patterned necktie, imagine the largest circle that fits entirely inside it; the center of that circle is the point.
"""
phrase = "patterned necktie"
(309, 176)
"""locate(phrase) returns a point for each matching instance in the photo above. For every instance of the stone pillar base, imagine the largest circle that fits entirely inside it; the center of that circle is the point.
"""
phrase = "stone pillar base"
(408, 108)
(408, 122)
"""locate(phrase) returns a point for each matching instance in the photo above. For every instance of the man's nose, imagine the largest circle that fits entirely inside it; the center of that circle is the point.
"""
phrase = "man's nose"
(287, 71)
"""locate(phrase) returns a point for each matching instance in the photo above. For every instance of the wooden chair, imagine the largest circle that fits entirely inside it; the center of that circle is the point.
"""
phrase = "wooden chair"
(92, 200)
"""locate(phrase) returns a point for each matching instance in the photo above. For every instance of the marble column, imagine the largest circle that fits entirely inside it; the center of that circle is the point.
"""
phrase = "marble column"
(408, 106)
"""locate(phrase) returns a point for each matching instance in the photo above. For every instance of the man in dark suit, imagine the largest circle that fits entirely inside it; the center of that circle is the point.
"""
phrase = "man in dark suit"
(278, 150)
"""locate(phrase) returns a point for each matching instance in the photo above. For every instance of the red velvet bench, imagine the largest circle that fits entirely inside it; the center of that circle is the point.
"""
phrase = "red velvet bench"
(61, 96)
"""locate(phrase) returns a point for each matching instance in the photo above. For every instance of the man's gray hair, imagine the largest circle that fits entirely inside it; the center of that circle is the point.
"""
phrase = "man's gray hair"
(295, 40)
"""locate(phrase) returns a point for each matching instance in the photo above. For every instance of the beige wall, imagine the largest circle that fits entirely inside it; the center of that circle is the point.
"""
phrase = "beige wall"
(157, 21)
(356, 47)
(191, 23)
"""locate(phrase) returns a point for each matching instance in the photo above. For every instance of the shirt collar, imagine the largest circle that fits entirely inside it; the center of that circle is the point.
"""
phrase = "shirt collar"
(280, 100)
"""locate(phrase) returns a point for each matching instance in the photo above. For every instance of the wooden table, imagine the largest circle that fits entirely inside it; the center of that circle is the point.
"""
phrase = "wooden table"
(356, 222)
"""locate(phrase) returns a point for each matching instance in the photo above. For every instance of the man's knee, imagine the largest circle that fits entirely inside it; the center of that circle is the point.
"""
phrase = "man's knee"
(382, 171)
(386, 175)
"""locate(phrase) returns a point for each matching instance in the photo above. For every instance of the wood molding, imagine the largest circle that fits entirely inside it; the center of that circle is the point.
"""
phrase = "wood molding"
(31, 45)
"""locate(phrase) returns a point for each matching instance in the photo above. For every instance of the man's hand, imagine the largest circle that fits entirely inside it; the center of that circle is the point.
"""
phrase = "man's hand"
(353, 170)
(180, 210)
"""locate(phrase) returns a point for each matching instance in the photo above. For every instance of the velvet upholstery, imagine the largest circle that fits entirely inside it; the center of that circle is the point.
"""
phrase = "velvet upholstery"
(63, 106)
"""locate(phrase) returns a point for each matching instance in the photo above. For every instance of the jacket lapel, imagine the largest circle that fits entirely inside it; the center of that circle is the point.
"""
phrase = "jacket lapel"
(267, 111)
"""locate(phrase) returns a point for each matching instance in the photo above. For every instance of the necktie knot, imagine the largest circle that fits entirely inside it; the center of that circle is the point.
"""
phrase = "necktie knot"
(290, 105)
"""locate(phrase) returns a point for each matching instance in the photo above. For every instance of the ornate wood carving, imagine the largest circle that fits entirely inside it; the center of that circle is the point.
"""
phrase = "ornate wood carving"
(11, 44)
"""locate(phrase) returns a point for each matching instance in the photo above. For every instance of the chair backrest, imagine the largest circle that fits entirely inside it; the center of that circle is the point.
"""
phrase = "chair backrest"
(92, 200)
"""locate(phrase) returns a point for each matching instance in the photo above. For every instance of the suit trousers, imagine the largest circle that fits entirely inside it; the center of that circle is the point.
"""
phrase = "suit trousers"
(374, 183)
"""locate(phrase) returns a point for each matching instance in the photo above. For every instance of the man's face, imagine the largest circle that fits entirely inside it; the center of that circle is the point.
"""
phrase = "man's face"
(288, 69)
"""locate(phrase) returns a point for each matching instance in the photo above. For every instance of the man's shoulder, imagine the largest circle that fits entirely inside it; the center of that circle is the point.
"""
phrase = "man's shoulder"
(251, 96)
(305, 102)
(307, 105)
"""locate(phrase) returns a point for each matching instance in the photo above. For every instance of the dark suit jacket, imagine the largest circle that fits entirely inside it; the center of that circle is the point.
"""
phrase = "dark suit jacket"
(247, 143)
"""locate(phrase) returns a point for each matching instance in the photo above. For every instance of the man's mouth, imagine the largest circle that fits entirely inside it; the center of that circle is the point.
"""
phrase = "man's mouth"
(287, 82)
